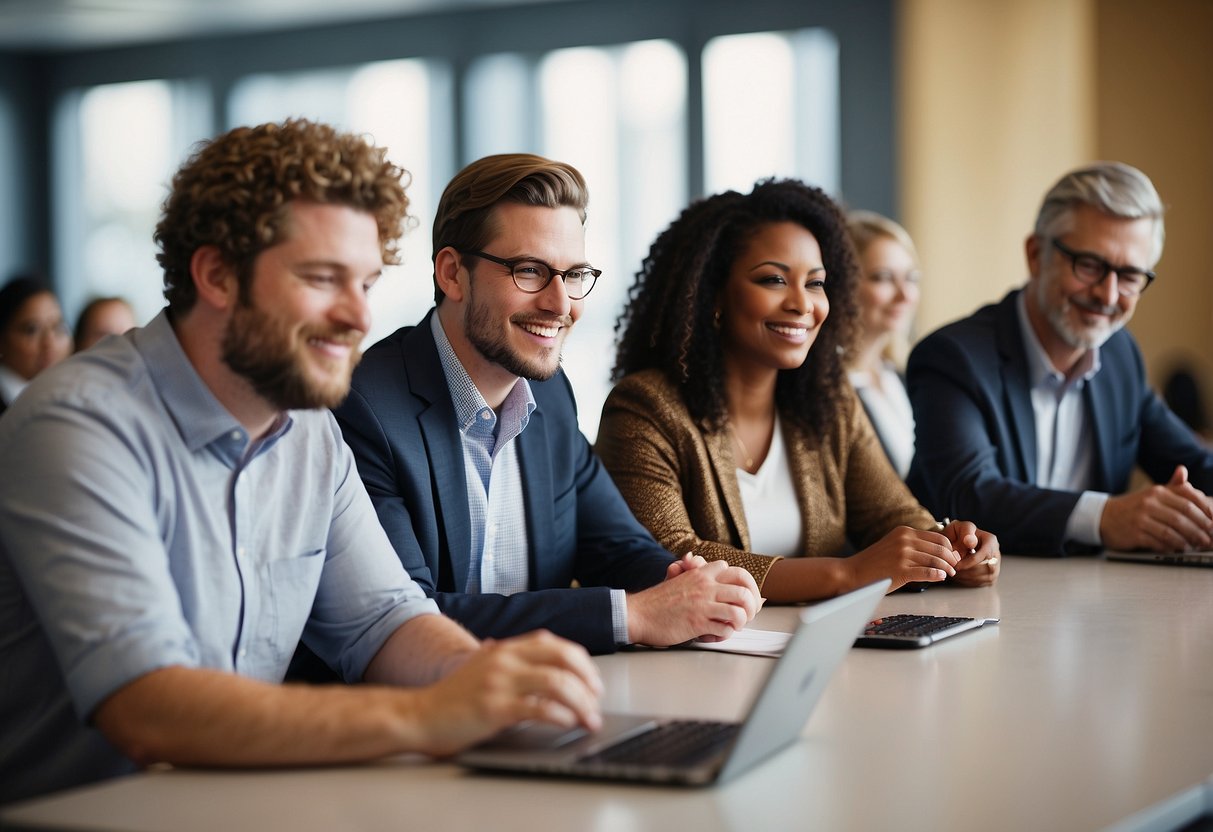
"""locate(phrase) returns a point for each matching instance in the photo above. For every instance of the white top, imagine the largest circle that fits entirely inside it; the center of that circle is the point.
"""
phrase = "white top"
(768, 497)
(888, 407)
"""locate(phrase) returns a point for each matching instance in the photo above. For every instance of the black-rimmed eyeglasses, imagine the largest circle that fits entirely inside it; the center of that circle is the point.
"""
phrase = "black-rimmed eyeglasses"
(1093, 270)
(533, 276)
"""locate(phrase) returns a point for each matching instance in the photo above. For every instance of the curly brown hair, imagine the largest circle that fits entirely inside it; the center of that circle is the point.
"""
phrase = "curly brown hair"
(233, 193)
(668, 322)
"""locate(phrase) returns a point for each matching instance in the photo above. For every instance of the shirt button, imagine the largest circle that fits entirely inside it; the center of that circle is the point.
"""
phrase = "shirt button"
(484, 414)
(236, 436)
(240, 551)
(243, 653)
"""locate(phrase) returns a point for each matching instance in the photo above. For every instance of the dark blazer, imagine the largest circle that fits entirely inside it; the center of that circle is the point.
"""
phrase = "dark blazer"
(400, 422)
(975, 454)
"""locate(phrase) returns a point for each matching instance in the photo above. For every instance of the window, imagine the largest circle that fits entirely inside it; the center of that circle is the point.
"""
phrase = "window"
(393, 102)
(771, 109)
(617, 114)
(119, 146)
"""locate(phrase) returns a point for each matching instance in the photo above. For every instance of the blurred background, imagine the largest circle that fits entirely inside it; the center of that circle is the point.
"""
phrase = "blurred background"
(953, 116)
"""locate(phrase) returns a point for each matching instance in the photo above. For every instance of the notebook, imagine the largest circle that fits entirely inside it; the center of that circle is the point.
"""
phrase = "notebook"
(696, 752)
(1204, 558)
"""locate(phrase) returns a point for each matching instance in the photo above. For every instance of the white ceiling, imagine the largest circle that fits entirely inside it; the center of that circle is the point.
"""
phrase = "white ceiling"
(83, 24)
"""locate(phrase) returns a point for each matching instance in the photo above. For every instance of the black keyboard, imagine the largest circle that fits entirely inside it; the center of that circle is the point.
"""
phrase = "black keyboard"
(913, 630)
(681, 742)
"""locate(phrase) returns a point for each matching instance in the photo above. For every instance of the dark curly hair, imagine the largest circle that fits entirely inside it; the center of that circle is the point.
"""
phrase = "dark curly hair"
(669, 319)
(233, 193)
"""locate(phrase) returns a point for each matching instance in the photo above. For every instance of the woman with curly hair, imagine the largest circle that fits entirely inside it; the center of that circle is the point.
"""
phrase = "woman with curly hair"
(729, 440)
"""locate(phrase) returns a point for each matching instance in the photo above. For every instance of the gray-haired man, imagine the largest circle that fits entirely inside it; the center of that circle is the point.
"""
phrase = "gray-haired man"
(1032, 412)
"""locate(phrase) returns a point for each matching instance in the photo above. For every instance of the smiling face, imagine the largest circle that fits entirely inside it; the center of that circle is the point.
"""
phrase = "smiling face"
(295, 336)
(1069, 316)
(36, 337)
(774, 301)
(888, 287)
(512, 331)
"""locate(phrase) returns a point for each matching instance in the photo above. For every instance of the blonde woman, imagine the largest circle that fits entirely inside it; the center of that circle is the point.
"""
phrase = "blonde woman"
(887, 297)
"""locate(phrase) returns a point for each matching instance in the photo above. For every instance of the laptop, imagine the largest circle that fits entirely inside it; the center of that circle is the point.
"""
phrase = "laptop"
(1204, 558)
(695, 752)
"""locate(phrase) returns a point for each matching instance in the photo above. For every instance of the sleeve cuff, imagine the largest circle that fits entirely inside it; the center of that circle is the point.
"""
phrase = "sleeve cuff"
(619, 616)
(1083, 525)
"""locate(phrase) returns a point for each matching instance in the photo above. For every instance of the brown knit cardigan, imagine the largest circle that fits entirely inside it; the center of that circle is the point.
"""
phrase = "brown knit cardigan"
(681, 480)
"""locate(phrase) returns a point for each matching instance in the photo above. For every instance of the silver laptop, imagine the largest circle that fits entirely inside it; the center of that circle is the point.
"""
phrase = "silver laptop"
(1204, 558)
(655, 750)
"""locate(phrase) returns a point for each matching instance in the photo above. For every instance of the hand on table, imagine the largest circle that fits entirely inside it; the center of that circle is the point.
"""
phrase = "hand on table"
(698, 599)
(904, 555)
(980, 560)
(1161, 518)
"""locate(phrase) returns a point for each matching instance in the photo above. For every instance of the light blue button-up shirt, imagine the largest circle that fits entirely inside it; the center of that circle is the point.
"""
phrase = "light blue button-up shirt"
(1065, 443)
(141, 528)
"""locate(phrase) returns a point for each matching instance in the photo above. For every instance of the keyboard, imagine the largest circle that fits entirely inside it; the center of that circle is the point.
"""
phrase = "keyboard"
(676, 743)
(908, 631)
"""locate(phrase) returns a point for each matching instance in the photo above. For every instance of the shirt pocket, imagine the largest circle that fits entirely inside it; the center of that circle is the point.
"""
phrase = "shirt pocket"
(293, 583)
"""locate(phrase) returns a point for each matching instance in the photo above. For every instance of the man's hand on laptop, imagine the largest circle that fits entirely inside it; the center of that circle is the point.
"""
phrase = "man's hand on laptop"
(1162, 518)
(535, 676)
(698, 599)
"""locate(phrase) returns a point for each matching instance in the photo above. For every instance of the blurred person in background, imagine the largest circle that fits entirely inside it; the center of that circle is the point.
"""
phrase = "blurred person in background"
(102, 317)
(888, 297)
(33, 335)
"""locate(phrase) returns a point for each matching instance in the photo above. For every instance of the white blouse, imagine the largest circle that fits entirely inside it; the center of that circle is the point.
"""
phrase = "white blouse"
(768, 497)
(888, 406)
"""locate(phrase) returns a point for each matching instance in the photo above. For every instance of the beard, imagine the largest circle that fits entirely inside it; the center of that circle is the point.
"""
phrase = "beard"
(480, 325)
(259, 346)
(1077, 336)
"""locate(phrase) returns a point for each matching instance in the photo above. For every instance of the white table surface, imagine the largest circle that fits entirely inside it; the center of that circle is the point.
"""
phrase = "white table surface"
(1090, 703)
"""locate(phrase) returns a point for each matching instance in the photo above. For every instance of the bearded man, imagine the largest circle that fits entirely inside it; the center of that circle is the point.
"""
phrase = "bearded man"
(1032, 413)
(178, 509)
(465, 432)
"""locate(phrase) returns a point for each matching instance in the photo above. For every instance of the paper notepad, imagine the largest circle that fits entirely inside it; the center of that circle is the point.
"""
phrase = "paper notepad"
(749, 641)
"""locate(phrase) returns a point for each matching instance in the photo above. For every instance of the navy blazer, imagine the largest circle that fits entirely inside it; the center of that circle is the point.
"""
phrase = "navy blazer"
(975, 454)
(400, 422)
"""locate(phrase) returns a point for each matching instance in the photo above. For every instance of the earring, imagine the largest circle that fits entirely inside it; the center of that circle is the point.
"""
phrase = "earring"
(716, 321)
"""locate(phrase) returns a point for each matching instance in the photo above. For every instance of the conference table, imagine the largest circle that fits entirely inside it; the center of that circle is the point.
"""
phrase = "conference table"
(1090, 706)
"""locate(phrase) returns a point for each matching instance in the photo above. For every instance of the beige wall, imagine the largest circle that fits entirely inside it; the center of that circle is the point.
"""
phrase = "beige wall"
(1154, 108)
(999, 98)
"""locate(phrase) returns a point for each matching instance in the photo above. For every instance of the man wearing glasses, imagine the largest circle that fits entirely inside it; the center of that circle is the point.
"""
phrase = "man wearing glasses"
(465, 432)
(1032, 413)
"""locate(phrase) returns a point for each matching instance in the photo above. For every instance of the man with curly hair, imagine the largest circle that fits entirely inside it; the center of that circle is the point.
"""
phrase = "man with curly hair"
(465, 432)
(178, 510)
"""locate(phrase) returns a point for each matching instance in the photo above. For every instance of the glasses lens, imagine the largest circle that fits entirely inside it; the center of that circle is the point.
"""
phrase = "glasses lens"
(1090, 269)
(1130, 283)
(531, 276)
(577, 283)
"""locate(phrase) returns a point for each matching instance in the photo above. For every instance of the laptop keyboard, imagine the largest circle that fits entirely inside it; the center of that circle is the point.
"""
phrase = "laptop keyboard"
(680, 742)
(911, 625)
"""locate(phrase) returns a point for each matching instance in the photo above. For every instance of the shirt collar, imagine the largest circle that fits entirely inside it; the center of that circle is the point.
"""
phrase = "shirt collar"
(470, 406)
(200, 418)
(1040, 367)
